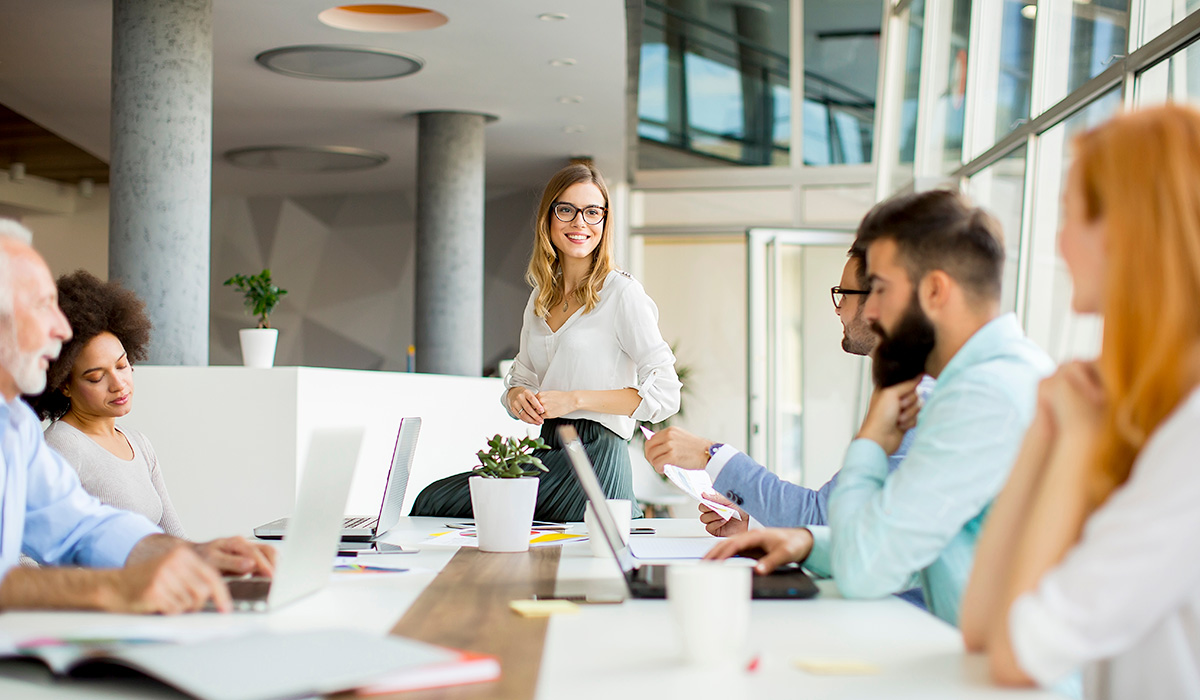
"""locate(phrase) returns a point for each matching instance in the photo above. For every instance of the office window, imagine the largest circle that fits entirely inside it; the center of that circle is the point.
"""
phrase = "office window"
(1097, 31)
(1015, 79)
(1160, 15)
(714, 85)
(1000, 188)
(1048, 316)
(1176, 78)
(841, 65)
(914, 37)
(951, 99)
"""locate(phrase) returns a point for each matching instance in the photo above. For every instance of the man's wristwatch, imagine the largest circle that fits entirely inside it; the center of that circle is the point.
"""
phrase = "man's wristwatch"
(712, 449)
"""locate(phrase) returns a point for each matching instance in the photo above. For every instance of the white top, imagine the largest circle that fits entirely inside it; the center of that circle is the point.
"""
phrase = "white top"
(615, 346)
(1124, 604)
(134, 485)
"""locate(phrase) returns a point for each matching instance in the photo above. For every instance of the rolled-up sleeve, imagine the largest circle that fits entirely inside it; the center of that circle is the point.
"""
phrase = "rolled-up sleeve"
(639, 337)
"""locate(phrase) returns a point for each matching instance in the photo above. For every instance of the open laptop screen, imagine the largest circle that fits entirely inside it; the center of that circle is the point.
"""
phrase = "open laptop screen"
(595, 495)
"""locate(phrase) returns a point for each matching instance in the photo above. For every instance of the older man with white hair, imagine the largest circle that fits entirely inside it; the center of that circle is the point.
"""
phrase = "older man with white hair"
(129, 565)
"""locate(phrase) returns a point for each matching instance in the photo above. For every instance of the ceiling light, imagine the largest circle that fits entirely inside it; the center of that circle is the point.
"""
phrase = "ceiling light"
(552, 16)
(323, 62)
(1029, 11)
(306, 159)
(570, 99)
(574, 129)
(382, 18)
(560, 62)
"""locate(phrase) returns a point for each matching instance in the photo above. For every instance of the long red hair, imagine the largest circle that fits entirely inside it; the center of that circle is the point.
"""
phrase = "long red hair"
(1140, 174)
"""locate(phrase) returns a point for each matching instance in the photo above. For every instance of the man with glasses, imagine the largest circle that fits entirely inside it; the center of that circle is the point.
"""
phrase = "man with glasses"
(935, 265)
(747, 485)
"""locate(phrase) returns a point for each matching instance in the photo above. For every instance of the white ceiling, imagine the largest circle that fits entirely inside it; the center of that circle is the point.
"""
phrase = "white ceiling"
(492, 57)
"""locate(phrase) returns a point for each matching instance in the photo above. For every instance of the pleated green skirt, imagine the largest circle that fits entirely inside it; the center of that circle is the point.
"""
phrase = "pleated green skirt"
(559, 498)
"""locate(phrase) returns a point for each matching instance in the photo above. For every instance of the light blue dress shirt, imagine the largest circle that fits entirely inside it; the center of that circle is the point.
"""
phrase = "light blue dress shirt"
(919, 524)
(44, 511)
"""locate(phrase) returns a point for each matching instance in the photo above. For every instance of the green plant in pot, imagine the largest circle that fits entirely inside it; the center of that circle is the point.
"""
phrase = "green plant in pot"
(504, 492)
(262, 295)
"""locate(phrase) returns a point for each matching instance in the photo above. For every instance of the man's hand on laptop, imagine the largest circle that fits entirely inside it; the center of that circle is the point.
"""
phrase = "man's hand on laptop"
(174, 582)
(772, 546)
(718, 526)
(679, 447)
(236, 556)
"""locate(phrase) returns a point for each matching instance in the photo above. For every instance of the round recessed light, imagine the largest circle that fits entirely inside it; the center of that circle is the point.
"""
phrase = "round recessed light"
(305, 159)
(552, 16)
(574, 129)
(382, 18)
(324, 62)
(1029, 11)
(560, 62)
(570, 99)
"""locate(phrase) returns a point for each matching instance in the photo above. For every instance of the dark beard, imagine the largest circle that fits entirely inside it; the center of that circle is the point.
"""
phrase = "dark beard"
(901, 355)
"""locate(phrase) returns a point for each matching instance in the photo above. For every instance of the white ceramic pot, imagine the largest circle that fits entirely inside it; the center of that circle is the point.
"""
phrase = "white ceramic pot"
(258, 346)
(503, 512)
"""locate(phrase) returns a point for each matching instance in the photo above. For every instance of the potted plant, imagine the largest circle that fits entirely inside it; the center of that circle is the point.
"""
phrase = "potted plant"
(262, 296)
(504, 492)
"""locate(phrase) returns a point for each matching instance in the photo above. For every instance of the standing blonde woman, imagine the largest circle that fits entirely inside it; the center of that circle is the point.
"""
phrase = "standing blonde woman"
(1091, 557)
(591, 354)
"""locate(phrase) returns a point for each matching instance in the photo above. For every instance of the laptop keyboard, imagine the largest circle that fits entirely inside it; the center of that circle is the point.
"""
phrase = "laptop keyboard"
(363, 522)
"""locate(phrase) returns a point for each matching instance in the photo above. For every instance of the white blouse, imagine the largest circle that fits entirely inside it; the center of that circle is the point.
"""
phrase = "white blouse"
(615, 346)
(1124, 604)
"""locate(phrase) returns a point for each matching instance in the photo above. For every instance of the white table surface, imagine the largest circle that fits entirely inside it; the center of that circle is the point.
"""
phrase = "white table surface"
(605, 651)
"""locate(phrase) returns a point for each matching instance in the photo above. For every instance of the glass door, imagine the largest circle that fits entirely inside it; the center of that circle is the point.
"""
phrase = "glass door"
(805, 393)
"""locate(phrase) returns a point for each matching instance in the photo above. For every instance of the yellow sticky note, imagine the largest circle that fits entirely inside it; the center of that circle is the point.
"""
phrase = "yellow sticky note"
(543, 608)
(837, 667)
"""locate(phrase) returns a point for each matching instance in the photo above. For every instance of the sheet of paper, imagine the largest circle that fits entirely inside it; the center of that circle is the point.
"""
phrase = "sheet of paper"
(695, 483)
(367, 563)
(467, 538)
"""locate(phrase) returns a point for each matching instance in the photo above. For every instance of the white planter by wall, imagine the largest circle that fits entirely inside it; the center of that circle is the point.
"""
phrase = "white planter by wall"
(503, 512)
(258, 346)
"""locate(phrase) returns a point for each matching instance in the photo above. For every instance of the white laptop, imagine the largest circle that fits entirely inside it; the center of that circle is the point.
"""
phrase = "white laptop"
(365, 528)
(307, 552)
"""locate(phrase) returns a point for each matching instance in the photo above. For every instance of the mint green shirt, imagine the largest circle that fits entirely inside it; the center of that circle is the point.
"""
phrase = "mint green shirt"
(918, 525)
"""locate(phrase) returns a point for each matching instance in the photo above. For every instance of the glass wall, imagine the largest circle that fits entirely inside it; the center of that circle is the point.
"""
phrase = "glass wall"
(716, 85)
(1038, 73)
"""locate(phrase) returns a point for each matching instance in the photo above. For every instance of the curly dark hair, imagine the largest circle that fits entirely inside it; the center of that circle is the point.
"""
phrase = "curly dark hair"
(92, 307)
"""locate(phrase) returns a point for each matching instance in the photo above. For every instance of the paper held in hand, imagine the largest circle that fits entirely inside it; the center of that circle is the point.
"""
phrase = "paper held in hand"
(695, 483)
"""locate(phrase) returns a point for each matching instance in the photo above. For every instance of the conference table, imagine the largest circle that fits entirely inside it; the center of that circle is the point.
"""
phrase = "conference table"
(458, 597)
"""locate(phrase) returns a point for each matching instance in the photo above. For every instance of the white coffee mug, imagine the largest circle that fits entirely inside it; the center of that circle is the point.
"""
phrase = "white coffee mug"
(706, 595)
(622, 512)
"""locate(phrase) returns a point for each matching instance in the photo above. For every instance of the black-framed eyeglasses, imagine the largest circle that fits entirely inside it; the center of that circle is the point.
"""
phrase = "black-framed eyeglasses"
(839, 295)
(566, 213)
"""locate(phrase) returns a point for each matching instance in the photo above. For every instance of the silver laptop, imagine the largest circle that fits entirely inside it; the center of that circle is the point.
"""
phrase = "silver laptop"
(649, 580)
(365, 528)
(306, 555)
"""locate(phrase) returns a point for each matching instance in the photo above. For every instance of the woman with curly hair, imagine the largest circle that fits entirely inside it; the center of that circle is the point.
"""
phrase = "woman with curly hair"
(591, 354)
(90, 385)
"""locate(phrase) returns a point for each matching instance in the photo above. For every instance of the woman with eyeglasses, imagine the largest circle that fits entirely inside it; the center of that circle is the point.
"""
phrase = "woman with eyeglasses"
(591, 354)
(1090, 558)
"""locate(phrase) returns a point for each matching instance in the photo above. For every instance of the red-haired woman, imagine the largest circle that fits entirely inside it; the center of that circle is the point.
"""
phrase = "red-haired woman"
(1090, 559)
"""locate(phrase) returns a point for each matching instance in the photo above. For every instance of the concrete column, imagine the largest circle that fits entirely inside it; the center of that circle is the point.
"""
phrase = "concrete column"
(449, 298)
(161, 169)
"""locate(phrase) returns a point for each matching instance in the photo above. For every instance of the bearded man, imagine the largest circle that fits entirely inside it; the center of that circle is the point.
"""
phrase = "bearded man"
(935, 265)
